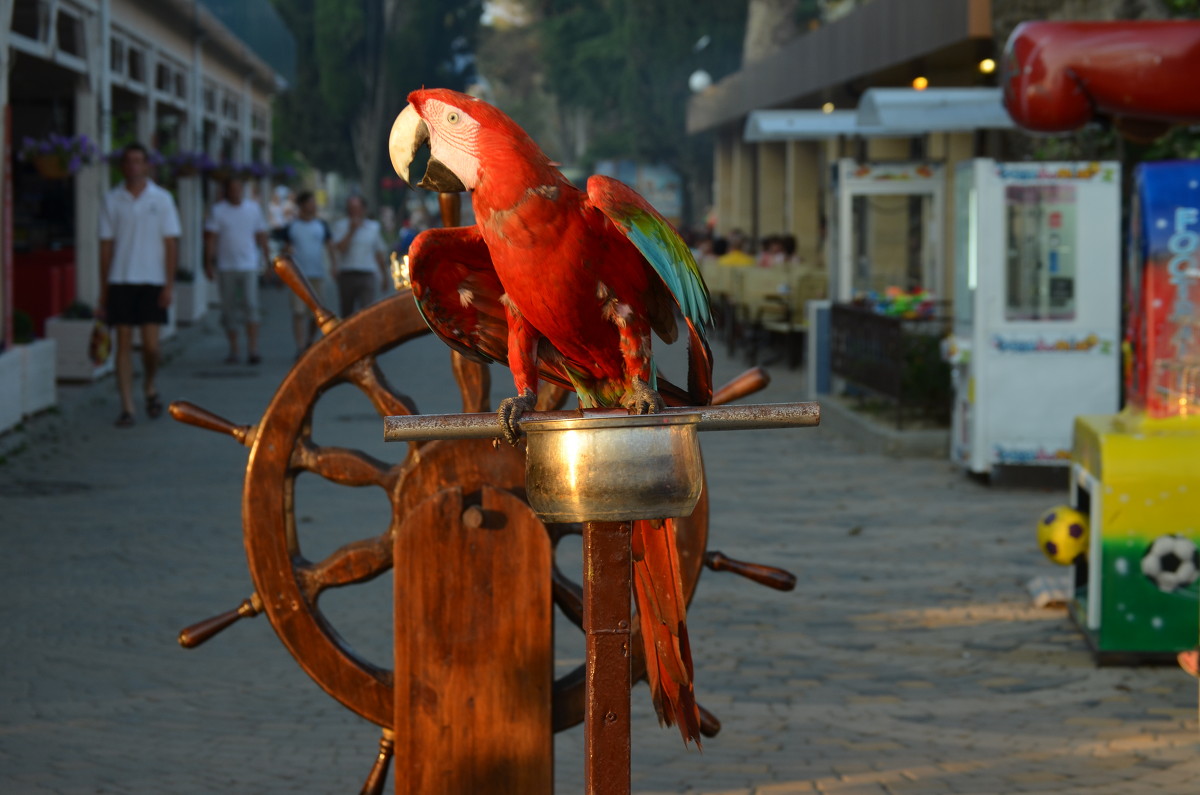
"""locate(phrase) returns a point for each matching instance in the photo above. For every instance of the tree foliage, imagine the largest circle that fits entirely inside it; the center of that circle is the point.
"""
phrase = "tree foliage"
(306, 128)
(628, 64)
(357, 60)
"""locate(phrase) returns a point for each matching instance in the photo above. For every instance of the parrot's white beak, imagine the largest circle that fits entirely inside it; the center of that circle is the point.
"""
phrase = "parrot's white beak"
(409, 133)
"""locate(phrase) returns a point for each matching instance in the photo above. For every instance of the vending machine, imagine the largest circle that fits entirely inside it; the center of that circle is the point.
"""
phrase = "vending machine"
(1036, 337)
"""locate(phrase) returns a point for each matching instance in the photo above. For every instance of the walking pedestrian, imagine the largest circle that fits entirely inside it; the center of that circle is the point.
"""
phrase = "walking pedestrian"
(235, 236)
(281, 211)
(308, 242)
(359, 253)
(139, 248)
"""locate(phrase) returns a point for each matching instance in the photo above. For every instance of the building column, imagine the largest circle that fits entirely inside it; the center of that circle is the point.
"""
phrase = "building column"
(245, 128)
(89, 192)
(955, 148)
(190, 190)
(6, 274)
(772, 189)
(805, 201)
(722, 180)
(742, 187)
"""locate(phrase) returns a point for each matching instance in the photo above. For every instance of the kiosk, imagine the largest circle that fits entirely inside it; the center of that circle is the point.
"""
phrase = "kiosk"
(1037, 315)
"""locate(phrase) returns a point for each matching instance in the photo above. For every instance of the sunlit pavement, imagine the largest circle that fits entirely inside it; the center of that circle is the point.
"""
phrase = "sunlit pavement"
(908, 659)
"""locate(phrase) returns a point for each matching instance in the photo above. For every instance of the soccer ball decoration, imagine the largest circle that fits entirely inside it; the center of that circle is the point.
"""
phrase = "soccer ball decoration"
(1171, 562)
(1063, 534)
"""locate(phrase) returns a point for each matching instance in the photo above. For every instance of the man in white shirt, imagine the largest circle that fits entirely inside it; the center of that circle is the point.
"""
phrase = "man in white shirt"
(139, 246)
(358, 244)
(308, 241)
(235, 236)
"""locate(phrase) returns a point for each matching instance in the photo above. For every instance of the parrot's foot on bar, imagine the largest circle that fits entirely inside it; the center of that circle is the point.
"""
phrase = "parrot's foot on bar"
(641, 399)
(511, 410)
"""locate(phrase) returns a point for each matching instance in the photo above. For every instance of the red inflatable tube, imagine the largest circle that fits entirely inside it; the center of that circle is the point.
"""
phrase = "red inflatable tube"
(1145, 75)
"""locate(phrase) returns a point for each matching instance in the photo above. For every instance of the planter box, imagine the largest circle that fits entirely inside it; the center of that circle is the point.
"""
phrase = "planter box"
(191, 301)
(73, 338)
(37, 376)
(10, 389)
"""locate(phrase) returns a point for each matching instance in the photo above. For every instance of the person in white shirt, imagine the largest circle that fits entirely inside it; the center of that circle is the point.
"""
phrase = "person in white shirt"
(308, 242)
(235, 236)
(139, 247)
(358, 245)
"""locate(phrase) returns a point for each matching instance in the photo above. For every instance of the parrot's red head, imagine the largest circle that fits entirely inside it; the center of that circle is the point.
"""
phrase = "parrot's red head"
(461, 131)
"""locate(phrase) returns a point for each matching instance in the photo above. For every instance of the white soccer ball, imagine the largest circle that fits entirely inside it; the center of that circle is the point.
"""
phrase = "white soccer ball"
(1171, 562)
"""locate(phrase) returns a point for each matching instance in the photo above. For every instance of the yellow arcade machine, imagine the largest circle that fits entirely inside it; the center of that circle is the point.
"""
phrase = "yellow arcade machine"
(1136, 474)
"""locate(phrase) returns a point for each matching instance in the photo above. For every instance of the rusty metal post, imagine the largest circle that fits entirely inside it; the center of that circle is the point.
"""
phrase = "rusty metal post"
(607, 578)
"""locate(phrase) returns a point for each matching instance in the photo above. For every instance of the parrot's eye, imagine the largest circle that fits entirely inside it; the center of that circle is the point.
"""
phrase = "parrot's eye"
(452, 117)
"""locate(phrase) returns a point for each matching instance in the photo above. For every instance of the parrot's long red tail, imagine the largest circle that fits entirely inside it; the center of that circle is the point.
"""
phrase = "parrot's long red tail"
(658, 589)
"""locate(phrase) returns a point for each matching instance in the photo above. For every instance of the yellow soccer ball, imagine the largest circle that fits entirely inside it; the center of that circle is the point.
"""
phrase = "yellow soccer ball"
(1063, 534)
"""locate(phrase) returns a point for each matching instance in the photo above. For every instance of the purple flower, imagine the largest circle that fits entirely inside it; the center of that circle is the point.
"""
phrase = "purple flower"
(74, 164)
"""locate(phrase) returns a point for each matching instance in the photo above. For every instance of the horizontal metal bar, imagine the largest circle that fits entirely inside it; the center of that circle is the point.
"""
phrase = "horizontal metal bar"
(429, 427)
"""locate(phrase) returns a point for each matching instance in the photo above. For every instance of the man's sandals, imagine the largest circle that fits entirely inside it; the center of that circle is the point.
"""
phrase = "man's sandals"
(154, 406)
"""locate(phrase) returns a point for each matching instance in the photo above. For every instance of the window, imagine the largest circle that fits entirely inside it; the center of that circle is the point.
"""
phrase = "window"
(70, 34)
(25, 19)
(1040, 243)
(136, 63)
(117, 55)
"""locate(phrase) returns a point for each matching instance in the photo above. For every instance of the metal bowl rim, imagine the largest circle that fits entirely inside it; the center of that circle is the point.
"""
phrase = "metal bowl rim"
(610, 421)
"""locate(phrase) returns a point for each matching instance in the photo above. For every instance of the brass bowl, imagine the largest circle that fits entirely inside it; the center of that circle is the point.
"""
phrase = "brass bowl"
(613, 468)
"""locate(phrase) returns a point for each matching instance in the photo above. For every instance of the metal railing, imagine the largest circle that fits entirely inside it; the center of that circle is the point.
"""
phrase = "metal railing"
(895, 358)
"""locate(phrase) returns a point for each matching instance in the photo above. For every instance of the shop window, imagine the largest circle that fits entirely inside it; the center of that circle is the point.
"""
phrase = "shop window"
(136, 65)
(25, 18)
(117, 56)
(70, 34)
(162, 78)
(180, 85)
(1040, 272)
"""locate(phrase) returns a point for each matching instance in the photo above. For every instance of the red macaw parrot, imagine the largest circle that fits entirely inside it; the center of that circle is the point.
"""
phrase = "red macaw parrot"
(566, 286)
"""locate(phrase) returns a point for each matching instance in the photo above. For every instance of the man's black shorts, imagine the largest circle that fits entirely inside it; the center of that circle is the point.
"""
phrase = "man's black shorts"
(134, 305)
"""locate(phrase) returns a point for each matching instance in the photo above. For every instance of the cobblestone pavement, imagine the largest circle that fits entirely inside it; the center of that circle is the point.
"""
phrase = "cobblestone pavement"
(908, 660)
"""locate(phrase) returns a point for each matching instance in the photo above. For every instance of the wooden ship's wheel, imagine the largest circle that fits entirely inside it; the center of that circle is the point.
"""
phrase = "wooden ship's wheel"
(288, 586)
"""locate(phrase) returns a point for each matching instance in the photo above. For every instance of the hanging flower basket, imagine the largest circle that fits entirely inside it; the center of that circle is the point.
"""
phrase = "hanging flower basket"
(50, 166)
(189, 164)
(58, 156)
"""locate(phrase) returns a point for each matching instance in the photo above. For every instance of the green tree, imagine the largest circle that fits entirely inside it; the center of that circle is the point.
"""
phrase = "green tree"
(626, 65)
(357, 61)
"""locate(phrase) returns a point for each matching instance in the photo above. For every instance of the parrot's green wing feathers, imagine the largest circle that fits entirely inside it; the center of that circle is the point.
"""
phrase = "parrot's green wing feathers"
(658, 242)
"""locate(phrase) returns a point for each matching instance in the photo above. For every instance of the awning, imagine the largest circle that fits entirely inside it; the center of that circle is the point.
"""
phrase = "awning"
(887, 112)
(798, 125)
(935, 109)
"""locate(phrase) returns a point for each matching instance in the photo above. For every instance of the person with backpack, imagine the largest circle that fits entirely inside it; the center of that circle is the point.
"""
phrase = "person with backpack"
(309, 243)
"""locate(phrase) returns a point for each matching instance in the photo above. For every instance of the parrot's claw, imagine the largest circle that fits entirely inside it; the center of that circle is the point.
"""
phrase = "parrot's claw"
(511, 410)
(641, 399)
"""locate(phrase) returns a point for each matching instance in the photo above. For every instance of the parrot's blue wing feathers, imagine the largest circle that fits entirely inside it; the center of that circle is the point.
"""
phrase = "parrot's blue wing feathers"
(659, 244)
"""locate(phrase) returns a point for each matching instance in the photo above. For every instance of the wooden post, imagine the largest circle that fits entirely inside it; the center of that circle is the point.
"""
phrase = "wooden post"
(607, 575)
(474, 661)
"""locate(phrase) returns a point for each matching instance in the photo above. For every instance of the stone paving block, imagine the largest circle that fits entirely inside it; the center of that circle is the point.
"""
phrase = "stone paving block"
(785, 788)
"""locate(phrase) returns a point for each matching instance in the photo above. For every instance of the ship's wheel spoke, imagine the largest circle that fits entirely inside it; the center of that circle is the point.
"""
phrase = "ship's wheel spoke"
(343, 466)
(568, 595)
(358, 561)
(366, 375)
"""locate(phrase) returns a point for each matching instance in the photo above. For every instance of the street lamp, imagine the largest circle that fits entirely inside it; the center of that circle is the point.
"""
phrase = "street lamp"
(699, 81)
